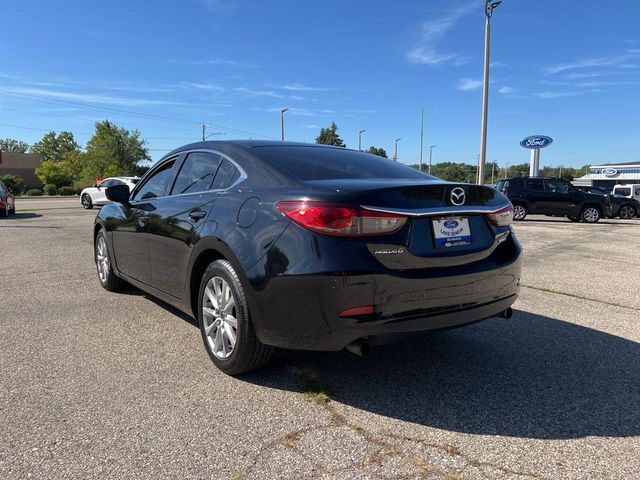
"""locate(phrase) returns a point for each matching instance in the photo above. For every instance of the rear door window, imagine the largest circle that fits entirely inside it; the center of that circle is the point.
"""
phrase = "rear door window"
(226, 176)
(536, 185)
(557, 186)
(197, 173)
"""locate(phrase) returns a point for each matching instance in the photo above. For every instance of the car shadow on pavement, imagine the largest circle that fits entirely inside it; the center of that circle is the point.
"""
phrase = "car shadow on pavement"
(530, 376)
(21, 216)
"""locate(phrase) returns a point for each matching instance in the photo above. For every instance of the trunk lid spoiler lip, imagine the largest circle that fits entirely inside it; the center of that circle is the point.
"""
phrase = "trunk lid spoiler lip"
(438, 211)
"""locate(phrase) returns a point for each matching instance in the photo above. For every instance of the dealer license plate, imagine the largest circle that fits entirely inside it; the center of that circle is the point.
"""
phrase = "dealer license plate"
(451, 232)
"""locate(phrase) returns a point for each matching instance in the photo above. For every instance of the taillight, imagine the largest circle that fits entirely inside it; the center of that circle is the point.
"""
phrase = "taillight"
(336, 219)
(502, 217)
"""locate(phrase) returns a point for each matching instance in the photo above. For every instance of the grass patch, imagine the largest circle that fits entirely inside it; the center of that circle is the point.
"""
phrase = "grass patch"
(313, 389)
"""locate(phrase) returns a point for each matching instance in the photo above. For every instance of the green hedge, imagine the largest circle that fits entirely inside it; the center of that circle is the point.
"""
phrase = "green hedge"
(66, 191)
(34, 192)
(50, 189)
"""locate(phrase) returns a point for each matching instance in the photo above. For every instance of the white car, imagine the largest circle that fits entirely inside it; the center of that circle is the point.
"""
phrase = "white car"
(629, 191)
(96, 195)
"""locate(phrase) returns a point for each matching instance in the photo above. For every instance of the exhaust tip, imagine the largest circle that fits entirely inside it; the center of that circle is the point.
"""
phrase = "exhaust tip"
(360, 347)
(508, 313)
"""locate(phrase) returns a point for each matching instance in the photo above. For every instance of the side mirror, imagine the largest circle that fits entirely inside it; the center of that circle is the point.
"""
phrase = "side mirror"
(118, 193)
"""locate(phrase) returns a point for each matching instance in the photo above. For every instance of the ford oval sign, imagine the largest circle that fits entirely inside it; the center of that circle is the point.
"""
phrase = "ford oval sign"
(609, 172)
(450, 224)
(536, 141)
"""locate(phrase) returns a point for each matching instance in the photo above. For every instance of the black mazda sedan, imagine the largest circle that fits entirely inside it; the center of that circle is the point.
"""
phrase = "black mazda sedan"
(301, 246)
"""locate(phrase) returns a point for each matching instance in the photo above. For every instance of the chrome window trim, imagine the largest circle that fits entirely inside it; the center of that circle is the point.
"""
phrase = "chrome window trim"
(437, 211)
(143, 180)
(241, 178)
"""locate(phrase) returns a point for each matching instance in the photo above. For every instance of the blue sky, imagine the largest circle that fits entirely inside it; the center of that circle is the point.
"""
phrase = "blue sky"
(567, 69)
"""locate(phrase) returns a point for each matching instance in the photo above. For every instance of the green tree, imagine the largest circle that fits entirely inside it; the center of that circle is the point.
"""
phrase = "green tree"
(381, 152)
(329, 136)
(11, 145)
(56, 173)
(113, 151)
(13, 183)
(452, 172)
(54, 147)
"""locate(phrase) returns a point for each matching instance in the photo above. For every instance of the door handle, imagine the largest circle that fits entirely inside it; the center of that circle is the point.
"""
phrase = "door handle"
(197, 214)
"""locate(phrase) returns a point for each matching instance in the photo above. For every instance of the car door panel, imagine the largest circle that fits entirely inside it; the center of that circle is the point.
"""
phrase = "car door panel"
(173, 230)
(130, 241)
(177, 218)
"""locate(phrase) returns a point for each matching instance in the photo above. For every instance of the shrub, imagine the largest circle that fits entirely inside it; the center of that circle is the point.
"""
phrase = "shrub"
(34, 192)
(66, 191)
(13, 183)
(50, 189)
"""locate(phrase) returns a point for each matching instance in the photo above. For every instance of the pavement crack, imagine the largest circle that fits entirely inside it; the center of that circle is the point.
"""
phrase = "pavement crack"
(580, 297)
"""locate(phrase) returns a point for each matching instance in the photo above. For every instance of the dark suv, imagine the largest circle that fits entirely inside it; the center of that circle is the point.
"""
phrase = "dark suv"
(552, 196)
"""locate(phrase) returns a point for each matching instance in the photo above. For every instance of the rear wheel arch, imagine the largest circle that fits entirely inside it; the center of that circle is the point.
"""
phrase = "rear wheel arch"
(629, 205)
(204, 259)
(206, 251)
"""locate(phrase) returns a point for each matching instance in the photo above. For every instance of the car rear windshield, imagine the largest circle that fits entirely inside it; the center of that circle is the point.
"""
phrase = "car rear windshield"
(625, 192)
(321, 163)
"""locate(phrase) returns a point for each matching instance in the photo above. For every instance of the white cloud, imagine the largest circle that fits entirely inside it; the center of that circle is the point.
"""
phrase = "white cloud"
(209, 87)
(297, 87)
(433, 31)
(619, 61)
(88, 97)
(507, 90)
(551, 95)
(468, 84)
(257, 93)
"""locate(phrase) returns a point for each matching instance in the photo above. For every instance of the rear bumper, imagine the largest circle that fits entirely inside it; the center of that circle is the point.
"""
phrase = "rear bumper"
(303, 311)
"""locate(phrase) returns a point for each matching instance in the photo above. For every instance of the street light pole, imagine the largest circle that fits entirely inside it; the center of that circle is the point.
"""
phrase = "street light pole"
(204, 127)
(360, 139)
(431, 155)
(395, 150)
(422, 138)
(282, 122)
(489, 6)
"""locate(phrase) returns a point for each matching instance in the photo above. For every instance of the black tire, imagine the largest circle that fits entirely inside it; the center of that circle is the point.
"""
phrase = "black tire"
(109, 280)
(519, 211)
(248, 354)
(590, 214)
(573, 219)
(86, 202)
(627, 212)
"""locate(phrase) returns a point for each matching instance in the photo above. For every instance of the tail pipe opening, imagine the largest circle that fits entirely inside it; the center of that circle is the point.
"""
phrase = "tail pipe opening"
(360, 347)
(508, 313)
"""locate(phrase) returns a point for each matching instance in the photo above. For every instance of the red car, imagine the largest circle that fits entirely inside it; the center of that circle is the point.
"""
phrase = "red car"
(7, 201)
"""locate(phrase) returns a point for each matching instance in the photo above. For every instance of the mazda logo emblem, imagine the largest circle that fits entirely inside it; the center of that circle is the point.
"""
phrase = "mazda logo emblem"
(458, 196)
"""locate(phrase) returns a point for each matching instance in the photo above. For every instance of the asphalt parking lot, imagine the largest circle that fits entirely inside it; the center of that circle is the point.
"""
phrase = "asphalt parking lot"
(103, 385)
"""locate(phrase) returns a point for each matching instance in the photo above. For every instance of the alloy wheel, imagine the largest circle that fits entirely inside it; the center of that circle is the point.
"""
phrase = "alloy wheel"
(591, 215)
(627, 212)
(102, 259)
(219, 317)
(519, 212)
(86, 201)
